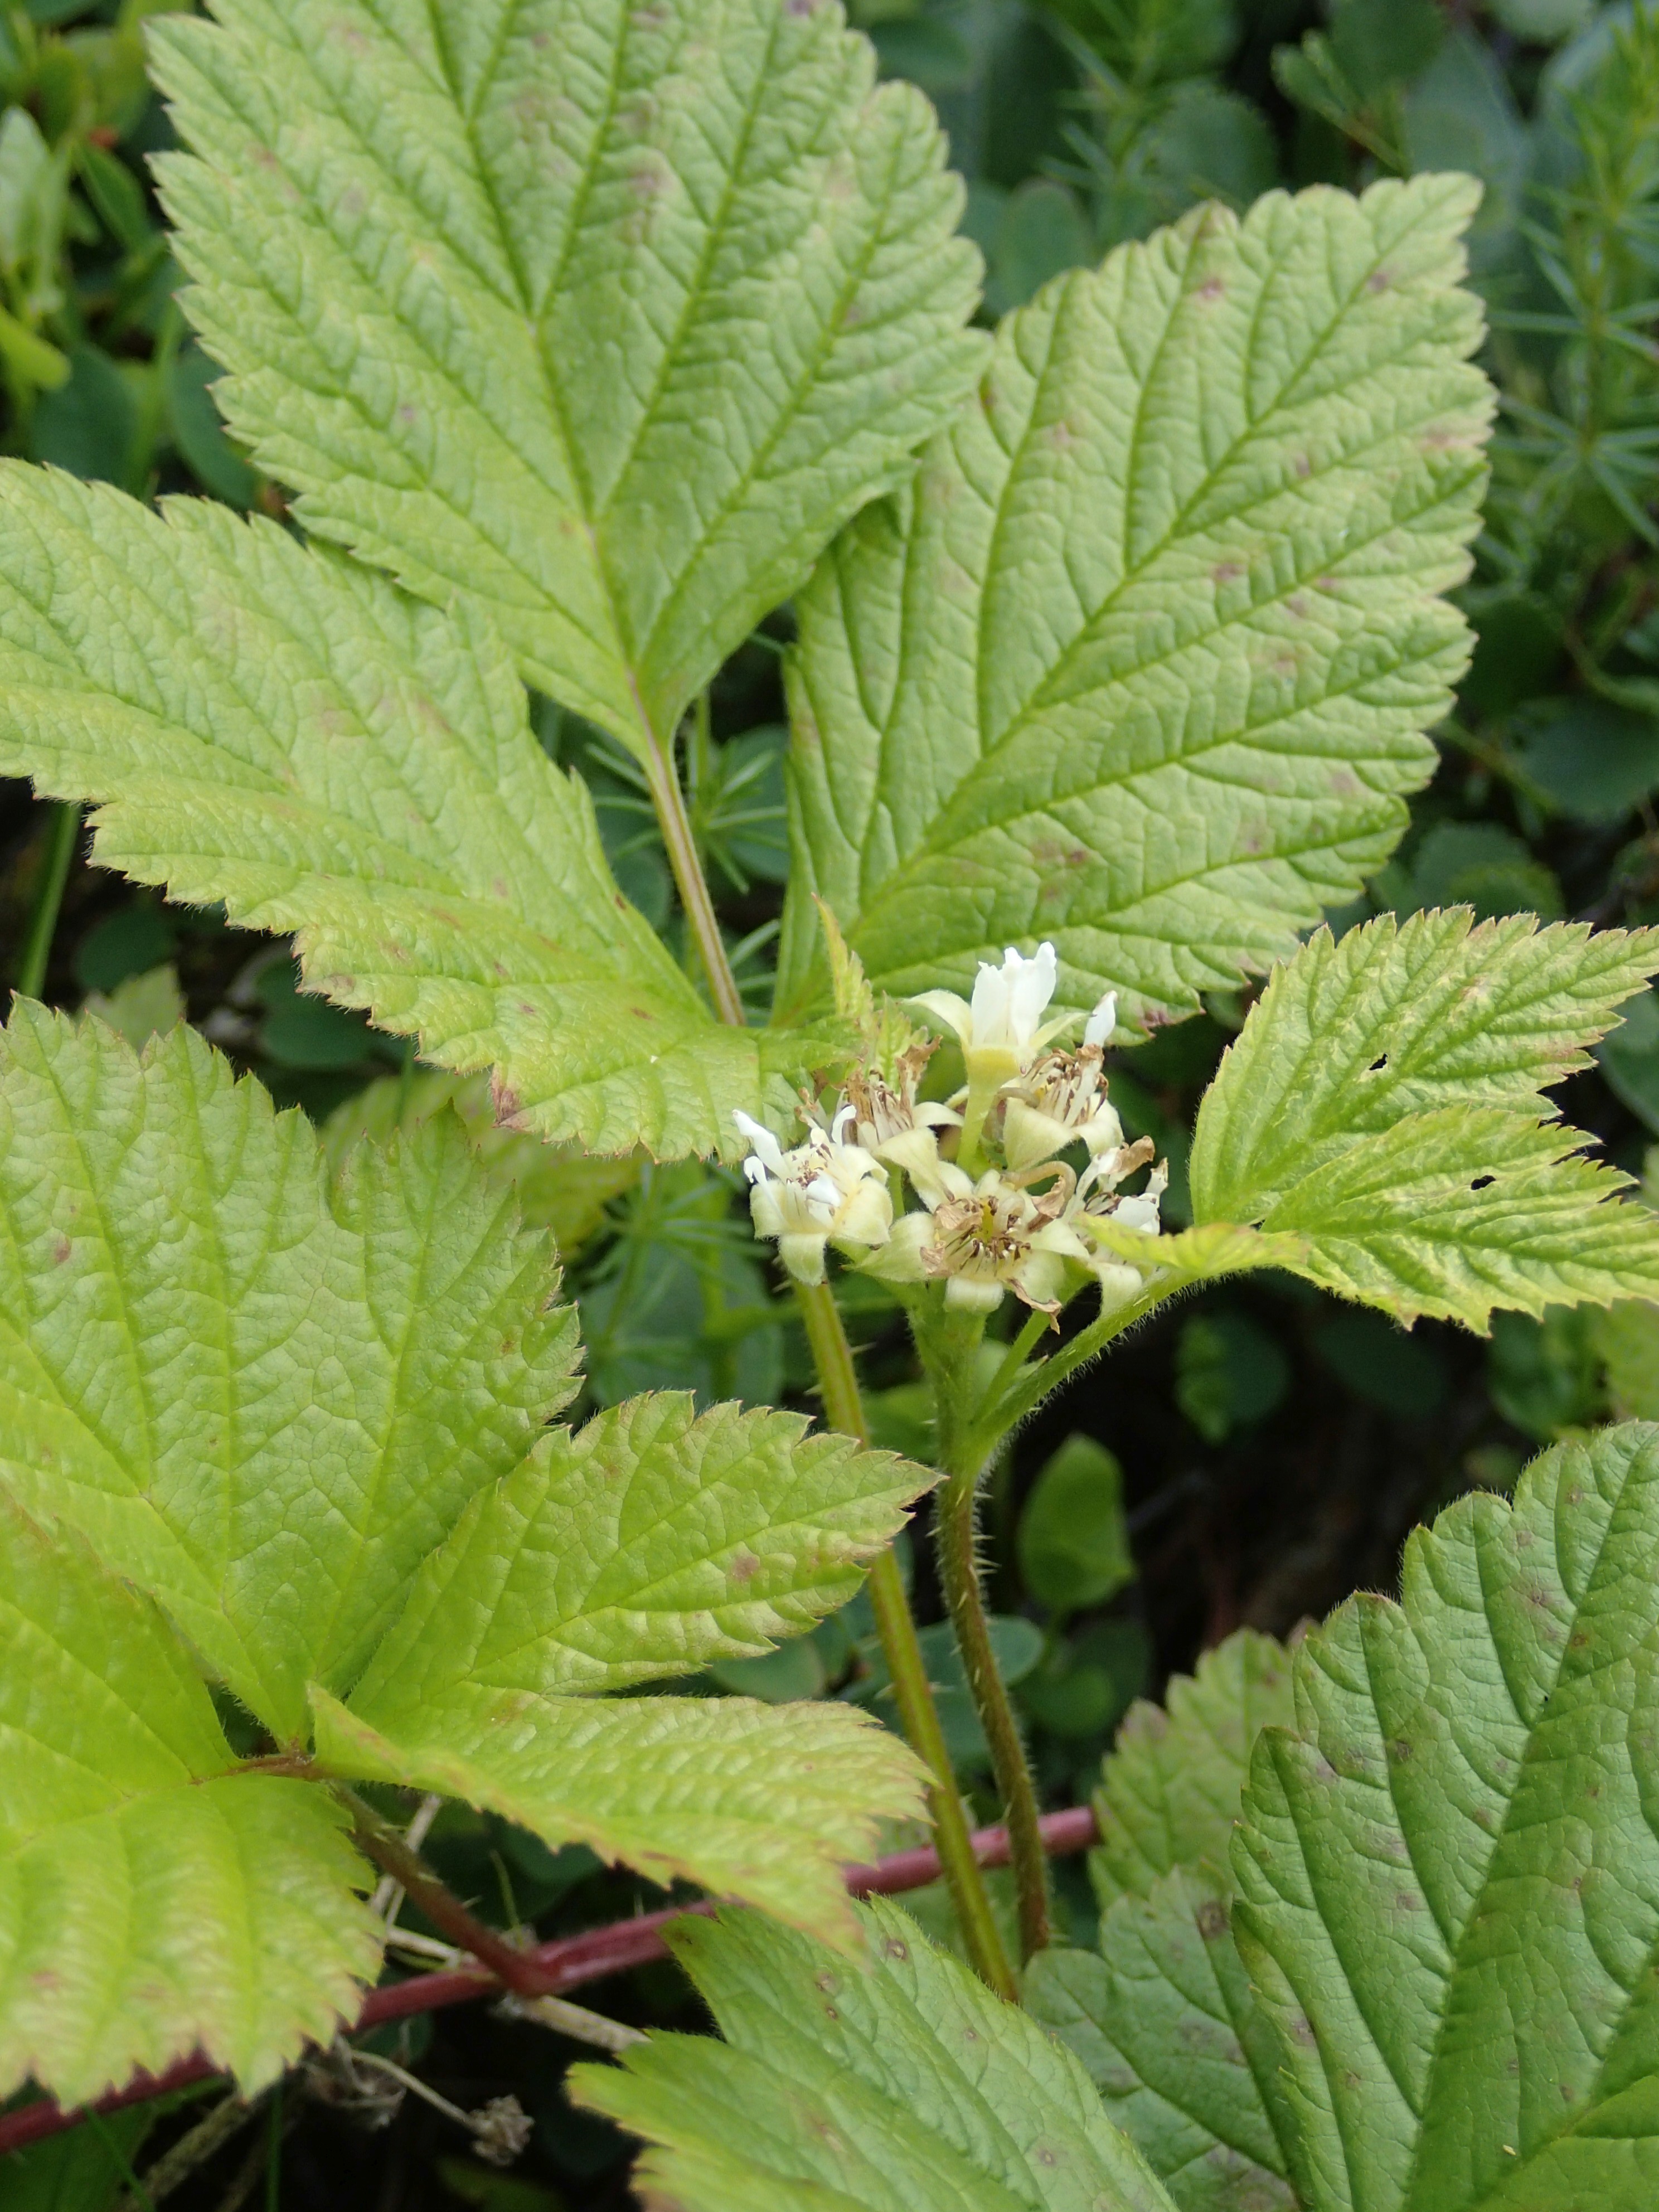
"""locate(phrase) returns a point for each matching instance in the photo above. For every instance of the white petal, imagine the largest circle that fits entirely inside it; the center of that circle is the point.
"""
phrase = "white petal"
(765, 1145)
(1102, 1132)
(1098, 1030)
(1031, 986)
(1137, 1213)
(990, 1006)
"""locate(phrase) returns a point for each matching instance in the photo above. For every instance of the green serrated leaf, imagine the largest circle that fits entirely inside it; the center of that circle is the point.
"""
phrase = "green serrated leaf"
(276, 728)
(1385, 1106)
(151, 1901)
(262, 1398)
(1170, 1789)
(1164, 2021)
(1163, 2016)
(649, 1543)
(752, 1801)
(896, 2083)
(1140, 663)
(608, 316)
(1449, 1869)
(558, 1187)
(1627, 1339)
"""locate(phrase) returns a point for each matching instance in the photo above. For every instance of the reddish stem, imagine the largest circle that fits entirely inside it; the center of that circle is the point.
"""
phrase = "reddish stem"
(564, 1964)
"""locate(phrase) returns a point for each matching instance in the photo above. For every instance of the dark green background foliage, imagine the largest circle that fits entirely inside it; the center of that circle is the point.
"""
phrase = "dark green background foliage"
(1251, 1457)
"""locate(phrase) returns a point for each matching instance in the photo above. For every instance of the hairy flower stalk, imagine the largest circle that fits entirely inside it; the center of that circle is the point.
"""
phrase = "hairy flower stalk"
(1008, 1216)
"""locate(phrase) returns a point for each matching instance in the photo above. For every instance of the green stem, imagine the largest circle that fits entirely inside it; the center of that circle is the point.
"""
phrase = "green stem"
(955, 1527)
(1032, 1384)
(692, 884)
(61, 836)
(843, 1409)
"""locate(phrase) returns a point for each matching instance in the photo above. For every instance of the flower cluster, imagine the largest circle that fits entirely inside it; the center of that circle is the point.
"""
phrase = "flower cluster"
(1008, 1211)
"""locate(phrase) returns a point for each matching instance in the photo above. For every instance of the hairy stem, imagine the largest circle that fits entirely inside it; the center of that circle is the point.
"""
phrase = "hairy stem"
(177, 2164)
(1008, 1403)
(844, 1410)
(441, 1907)
(955, 1532)
(693, 885)
(61, 837)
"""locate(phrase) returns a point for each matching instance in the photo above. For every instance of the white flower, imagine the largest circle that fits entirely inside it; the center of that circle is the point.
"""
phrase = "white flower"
(1061, 1099)
(1002, 1031)
(1097, 1196)
(825, 1191)
(985, 1239)
(897, 1130)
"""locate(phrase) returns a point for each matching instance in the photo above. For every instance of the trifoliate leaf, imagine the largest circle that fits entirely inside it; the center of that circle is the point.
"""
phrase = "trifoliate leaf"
(607, 315)
(754, 1801)
(1449, 1869)
(649, 1543)
(1163, 2020)
(1141, 662)
(150, 1899)
(264, 1398)
(277, 729)
(1170, 1789)
(1385, 1106)
(894, 2083)
(558, 1187)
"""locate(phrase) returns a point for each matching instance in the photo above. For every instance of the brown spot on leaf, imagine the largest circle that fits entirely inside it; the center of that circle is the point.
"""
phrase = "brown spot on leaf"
(1212, 1919)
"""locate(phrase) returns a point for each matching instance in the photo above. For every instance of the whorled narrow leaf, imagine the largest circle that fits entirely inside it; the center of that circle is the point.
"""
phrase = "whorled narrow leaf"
(754, 1801)
(264, 1397)
(1449, 1869)
(1166, 2024)
(151, 1900)
(1170, 1789)
(1141, 662)
(1381, 1125)
(606, 315)
(276, 728)
(894, 2082)
(647, 1544)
